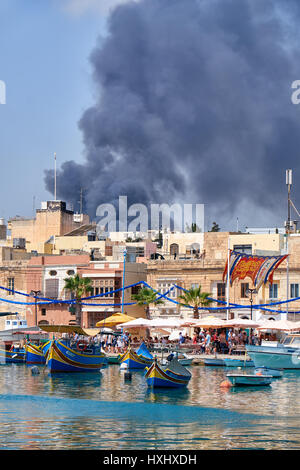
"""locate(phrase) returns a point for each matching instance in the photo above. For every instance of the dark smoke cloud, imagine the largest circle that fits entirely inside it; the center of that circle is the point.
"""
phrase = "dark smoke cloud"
(194, 105)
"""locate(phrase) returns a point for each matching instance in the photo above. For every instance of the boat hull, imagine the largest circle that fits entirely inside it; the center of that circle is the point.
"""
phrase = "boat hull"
(13, 356)
(238, 363)
(61, 358)
(214, 362)
(251, 380)
(34, 354)
(134, 361)
(275, 358)
(157, 377)
(267, 371)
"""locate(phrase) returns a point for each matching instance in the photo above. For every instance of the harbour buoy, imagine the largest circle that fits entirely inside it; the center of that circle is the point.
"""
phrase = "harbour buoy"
(225, 384)
(35, 370)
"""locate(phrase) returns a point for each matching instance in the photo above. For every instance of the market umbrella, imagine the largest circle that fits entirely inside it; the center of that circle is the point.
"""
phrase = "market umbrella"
(137, 323)
(114, 320)
(283, 325)
(209, 322)
(241, 323)
(164, 323)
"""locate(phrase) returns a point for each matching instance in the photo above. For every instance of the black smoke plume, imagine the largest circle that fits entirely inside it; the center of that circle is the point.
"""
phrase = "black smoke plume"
(194, 105)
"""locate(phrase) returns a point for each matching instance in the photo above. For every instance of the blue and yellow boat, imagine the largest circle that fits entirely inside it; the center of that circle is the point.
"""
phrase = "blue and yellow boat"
(62, 357)
(138, 359)
(173, 375)
(12, 354)
(34, 353)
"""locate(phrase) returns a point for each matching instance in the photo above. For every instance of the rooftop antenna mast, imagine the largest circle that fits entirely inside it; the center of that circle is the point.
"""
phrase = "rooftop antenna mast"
(54, 176)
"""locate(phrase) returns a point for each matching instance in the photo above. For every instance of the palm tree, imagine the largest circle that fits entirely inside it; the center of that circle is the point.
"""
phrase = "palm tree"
(146, 297)
(195, 298)
(80, 287)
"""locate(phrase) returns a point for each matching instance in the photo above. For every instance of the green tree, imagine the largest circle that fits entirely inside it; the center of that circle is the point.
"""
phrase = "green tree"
(215, 227)
(147, 297)
(195, 298)
(79, 287)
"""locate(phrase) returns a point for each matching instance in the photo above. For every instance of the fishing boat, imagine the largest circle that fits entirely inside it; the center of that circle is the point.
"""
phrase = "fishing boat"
(249, 379)
(214, 362)
(12, 353)
(34, 353)
(285, 355)
(238, 362)
(268, 371)
(172, 375)
(138, 359)
(182, 358)
(68, 355)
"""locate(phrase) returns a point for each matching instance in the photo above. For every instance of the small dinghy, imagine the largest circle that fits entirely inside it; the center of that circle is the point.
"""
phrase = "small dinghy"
(238, 362)
(173, 375)
(214, 362)
(268, 371)
(249, 379)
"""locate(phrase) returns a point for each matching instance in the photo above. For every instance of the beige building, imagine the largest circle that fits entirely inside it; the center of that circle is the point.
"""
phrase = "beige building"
(53, 219)
(208, 272)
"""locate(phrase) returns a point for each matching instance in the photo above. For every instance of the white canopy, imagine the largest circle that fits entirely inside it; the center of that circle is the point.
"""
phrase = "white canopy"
(283, 325)
(242, 323)
(209, 322)
(136, 323)
(164, 323)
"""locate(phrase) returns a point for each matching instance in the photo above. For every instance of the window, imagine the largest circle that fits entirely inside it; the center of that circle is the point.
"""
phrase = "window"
(135, 290)
(51, 286)
(11, 285)
(52, 273)
(273, 291)
(43, 312)
(244, 287)
(71, 272)
(194, 286)
(247, 249)
(221, 289)
(294, 290)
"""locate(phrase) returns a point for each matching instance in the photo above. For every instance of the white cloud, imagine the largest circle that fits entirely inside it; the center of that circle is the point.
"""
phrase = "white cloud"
(79, 7)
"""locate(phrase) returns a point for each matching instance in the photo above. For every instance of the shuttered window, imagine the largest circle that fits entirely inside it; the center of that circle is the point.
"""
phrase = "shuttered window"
(52, 288)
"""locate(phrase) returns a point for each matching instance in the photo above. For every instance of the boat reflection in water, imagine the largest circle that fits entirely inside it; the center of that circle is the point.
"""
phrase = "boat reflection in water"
(285, 355)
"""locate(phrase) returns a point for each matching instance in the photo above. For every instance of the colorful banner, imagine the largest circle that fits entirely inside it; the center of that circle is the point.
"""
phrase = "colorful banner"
(259, 269)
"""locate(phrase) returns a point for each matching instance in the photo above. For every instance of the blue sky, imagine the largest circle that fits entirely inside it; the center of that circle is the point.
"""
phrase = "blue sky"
(44, 62)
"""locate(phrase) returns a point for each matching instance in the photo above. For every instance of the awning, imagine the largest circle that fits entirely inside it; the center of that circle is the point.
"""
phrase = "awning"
(29, 332)
(114, 320)
(70, 329)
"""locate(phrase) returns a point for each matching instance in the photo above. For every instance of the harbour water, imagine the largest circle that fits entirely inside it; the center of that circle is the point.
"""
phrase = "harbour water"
(103, 411)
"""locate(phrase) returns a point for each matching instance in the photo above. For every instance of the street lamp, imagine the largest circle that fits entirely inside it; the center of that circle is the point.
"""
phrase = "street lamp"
(251, 292)
(34, 293)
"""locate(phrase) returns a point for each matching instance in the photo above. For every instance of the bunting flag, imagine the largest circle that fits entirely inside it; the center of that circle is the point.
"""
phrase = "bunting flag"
(259, 269)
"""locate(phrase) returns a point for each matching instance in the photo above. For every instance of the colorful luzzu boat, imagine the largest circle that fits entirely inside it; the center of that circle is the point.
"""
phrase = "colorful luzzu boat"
(12, 355)
(249, 379)
(34, 354)
(173, 375)
(64, 358)
(138, 359)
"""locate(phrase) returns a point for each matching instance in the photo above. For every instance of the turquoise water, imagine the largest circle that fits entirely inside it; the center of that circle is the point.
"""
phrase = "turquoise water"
(102, 411)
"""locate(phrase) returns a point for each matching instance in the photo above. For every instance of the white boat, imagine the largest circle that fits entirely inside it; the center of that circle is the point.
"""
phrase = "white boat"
(182, 358)
(249, 379)
(285, 355)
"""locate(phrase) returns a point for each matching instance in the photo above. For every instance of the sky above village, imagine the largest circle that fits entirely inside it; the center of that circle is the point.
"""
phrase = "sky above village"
(164, 101)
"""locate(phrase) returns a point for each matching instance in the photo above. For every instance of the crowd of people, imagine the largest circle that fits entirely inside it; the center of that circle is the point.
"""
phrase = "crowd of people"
(204, 341)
